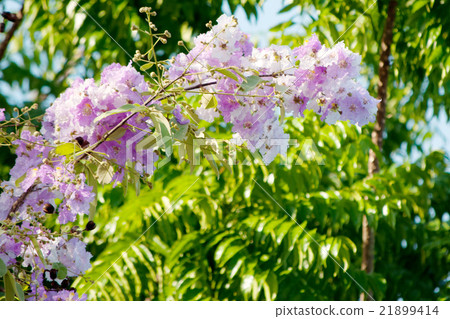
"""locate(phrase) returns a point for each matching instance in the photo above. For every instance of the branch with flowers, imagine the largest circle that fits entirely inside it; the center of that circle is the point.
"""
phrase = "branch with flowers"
(119, 130)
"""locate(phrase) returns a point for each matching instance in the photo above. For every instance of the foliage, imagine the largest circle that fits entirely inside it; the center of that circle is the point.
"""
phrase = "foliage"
(233, 238)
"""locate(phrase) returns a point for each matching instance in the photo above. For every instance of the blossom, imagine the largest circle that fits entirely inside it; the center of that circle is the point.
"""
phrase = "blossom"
(2, 115)
(180, 117)
(9, 249)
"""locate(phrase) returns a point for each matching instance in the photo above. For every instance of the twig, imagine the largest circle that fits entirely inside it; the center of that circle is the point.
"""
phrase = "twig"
(20, 201)
(10, 33)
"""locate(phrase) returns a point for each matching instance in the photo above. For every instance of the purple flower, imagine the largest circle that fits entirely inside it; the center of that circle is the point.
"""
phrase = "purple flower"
(312, 46)
(2, 115)
(181, 119)
(9, 249)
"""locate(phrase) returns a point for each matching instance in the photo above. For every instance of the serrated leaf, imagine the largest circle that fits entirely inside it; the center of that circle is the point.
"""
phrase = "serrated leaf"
(123, 109)
(227, 73)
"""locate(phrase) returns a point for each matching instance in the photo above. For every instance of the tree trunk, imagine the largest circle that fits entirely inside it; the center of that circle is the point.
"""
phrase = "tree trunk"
(368, 234)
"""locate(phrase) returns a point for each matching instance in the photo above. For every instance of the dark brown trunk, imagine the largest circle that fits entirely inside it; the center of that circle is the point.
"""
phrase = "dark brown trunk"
(368, 234)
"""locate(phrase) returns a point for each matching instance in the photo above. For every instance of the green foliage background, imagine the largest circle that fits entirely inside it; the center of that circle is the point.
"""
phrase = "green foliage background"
(281, 232)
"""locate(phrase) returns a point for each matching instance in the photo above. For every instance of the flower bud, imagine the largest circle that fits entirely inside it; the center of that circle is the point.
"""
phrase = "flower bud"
(167, 34)
(75, 230)
(180, 43)
(81, 141)
(10, 16)
(53, 274)
(163, 40)
(65, 284)
(48, 208)
(90, 225)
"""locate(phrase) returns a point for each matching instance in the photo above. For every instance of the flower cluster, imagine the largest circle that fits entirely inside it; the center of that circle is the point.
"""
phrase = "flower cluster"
(72, 115)
(310, 76)
(43, 183)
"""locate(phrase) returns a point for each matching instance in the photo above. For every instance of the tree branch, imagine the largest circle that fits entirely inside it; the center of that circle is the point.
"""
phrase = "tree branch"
(18, 203)
(368, 234)
(17, 20)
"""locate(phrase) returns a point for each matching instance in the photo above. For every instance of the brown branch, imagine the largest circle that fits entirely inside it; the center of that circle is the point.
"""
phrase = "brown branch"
(368, 234)
(17, 18)
(18, 203)
(200, 85)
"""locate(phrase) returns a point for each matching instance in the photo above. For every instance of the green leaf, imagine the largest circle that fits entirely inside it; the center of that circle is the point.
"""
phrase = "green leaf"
(3, 268)
(92, 181)
(163, 127)
(227, 73)
(147, 66)
(10, 286)
(123, 109)
(17, 183)
(179, 133)
(135, 180)
(208, 101)
(38, 249)
(212, 162)
(238, 71)
(67, 149)
(62, 271)
(117, 134)
(251, 83)
(190, 151)
(19, 291)
(105, 173)
(282, 113)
